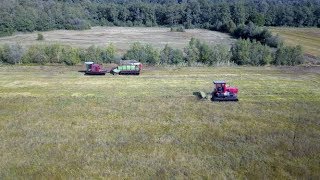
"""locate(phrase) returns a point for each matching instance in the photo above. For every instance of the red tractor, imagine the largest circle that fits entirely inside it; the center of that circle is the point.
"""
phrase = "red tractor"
(223, 93)
(94, 69)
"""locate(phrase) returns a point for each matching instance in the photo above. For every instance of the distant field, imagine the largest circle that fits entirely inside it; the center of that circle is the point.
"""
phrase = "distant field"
(121, 37)
(309, 38)
(57, 123)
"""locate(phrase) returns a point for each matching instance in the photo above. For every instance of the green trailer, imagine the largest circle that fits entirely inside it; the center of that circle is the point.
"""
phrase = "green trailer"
(126, 69)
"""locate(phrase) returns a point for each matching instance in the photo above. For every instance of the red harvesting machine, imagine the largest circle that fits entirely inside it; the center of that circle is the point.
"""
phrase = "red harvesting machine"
(94, 69)
(223, 93)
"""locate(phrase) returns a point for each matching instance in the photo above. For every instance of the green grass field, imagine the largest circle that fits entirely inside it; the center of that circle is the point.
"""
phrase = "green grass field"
(58, 123)
(309, 38)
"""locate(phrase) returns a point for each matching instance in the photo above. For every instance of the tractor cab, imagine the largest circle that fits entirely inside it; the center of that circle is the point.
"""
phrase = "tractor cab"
(94, 69)
(88, 66)
(219, 86)
(223, 93)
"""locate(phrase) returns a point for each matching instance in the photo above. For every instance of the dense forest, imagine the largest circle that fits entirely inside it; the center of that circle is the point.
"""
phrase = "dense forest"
(222, 15)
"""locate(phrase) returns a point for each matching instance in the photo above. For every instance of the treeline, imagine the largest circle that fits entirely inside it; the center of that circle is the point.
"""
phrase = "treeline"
(222, 15)
(243, 52)
(55, 54)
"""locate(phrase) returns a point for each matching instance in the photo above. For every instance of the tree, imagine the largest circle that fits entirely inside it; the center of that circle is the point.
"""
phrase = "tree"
(54, 53)
(110, 53)
(238, 13)
(36, 54)
(93, 53)
(12, 54)
(144, 54)
(192, 52)
(6, 24)
(152, 55)
(177, 56)
(165, 54)
(245, 52)
(136, 52)
(241, 52)
(219, 54)
(259, 55)
(70, 55)
(257, 18)
(288, 56)
(171, 56)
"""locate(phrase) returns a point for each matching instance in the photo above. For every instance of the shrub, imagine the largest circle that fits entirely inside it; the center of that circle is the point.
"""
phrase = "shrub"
(228, 27)
(76, 24)
(245, 52)
(220, 54)
(192, 52)
(36, 54)
(257, 33)
(144, 54)
(12, 54)
(241, 52)
(40, 37)
(201, 52)
(70, 55)
(92, 53)
(288, 56)
(152, 55)
(109, 53)
(260, 55)
(177, 29)
(54, 53)
(274, 41)
(171, 56)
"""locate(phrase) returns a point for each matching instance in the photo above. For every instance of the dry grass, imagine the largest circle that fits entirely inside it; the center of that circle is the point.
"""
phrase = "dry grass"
(309, 38)
(58, 123)
(121, 37)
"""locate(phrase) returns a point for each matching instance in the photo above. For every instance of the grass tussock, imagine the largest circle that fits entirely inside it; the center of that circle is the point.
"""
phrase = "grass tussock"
(57, 123)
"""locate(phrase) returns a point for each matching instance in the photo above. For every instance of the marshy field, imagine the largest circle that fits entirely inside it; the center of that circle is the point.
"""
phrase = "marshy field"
(57, 123)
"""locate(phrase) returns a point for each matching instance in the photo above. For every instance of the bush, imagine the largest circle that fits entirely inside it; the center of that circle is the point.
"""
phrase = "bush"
(177, 29)
(36, 54)
(220, 54)
(241, 52)
(201, 52)
(12, 54)
(245, 52)
(76, 24)
(192, 52)
(229, 27)
(40, 37)
(260, 34)
(144, 54)
(92, 53)
(288, 56)
(274, 41)
(171, 56)
(70, 55)
(54, 53)
(109, 54)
